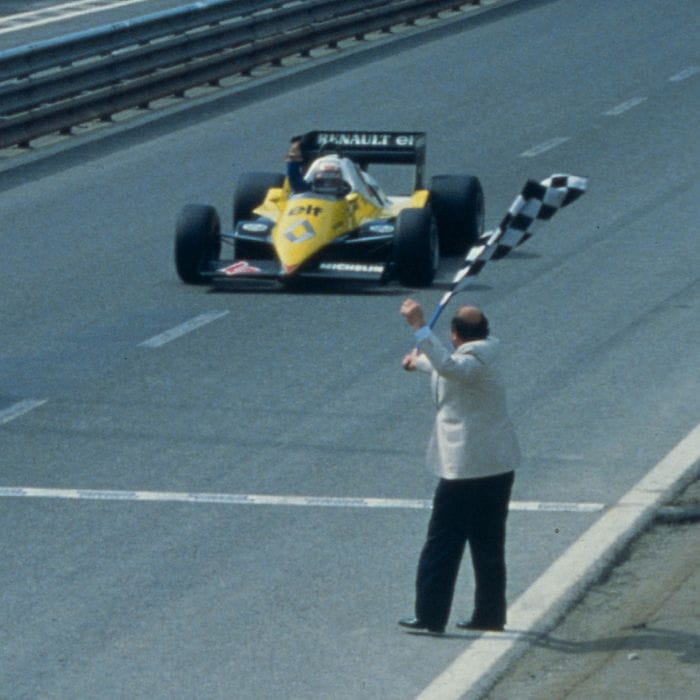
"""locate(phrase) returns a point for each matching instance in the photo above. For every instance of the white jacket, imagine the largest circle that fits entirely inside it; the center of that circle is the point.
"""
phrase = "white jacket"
(473, 436)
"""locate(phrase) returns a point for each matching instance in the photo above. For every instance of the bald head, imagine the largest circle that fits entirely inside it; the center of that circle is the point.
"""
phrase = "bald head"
(469, 323)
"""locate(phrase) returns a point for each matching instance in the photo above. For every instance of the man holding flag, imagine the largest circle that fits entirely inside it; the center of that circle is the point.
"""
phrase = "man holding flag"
(473, 450)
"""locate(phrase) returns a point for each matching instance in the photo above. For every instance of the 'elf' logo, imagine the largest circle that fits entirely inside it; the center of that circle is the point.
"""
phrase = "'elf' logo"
(310, 209)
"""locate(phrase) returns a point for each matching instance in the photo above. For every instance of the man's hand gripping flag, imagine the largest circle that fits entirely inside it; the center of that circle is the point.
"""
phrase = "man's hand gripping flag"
(537, 201)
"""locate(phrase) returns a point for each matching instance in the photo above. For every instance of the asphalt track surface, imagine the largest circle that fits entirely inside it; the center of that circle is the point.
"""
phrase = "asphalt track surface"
(301, 394)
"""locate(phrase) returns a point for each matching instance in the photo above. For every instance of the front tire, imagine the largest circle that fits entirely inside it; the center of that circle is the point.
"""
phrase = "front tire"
(458, 205)
(416, 248)
(197, 241)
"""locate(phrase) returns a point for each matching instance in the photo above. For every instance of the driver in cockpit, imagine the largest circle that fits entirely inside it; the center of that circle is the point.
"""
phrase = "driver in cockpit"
(327, 178)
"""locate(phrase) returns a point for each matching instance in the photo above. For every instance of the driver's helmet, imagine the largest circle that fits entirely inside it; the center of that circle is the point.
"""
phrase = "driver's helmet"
(328, 179)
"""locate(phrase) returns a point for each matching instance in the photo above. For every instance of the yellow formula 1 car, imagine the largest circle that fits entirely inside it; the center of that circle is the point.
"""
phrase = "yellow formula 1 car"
(330, 218)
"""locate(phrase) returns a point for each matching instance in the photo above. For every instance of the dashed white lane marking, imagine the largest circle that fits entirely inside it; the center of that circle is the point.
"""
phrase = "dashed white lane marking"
(537, 610)
(625, 106)
(19, 409)
(56, 13)
(544, 147)
(684, 74)
(272, 500)
(184, 328)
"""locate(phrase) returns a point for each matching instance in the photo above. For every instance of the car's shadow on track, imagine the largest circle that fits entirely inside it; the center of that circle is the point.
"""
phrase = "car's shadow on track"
(307, 287)
(310, 286)
(330, 287)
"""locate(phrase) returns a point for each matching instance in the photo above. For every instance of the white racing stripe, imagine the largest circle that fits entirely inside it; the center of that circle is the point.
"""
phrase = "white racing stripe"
(537, 610)
(544, 147)
(19, 409)
(182, 329)
(58, 12)
(272, 500)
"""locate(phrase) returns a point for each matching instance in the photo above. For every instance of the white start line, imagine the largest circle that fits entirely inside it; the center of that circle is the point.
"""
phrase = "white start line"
(272, 500)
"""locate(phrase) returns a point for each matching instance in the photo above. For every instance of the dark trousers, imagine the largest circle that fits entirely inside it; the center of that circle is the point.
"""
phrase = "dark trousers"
(465, 510)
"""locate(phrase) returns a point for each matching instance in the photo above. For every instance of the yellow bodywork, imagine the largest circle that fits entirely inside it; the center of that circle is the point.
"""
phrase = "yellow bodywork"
(306, 223)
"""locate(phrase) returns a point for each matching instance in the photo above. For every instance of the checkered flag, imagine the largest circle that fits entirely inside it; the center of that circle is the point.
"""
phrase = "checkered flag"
(537, 201)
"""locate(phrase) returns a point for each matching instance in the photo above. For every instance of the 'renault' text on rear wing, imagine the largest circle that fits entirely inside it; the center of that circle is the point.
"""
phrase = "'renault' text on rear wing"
(369, 147)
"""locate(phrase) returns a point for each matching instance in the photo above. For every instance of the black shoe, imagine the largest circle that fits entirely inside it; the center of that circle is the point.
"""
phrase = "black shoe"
(469, 625)
(413, 623)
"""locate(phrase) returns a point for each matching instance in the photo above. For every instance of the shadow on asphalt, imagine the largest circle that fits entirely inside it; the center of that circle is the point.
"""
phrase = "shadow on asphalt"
(305, 287)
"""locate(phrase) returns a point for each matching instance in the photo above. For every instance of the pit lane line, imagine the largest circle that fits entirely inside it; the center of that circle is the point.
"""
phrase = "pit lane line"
(184, 328)
(684, 74)
(539, 608)
(26, 405)
(553, 143)
(19, 409)
(615, 111)
(273, 500)
(625, 106)
(545, 146)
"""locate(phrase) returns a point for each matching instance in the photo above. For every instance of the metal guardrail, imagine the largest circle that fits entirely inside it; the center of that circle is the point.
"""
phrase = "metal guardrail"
(54, 85)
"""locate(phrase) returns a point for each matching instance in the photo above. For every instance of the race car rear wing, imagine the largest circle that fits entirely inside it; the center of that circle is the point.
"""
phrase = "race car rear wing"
(368, 147)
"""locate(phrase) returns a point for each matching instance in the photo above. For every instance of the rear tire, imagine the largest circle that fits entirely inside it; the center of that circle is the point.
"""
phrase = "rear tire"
(416, 248)
(197, 241)
(458, 204)
(251, 191)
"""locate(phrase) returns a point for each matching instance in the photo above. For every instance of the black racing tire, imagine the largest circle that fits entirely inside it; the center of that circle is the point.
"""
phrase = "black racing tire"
(416, 247)
(197, 241)
(458, 206)
(250, 193)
